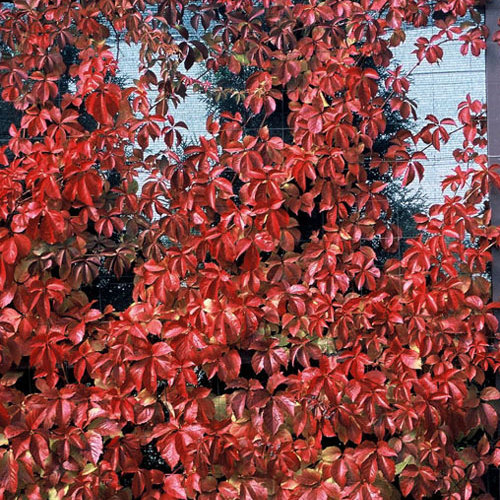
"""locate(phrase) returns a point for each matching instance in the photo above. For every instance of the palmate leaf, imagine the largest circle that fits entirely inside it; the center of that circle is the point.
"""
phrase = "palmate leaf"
(104, 104)
(285, 328)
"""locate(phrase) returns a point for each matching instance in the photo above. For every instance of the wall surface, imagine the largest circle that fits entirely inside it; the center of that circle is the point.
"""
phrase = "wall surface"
(436, 88)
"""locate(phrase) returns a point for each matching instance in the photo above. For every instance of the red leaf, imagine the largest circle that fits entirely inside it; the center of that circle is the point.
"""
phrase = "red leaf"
(257, 399)
(309, 477)
(264, 241)
(52, 226)
(406, 485)
(229, 366)
(252, 490)
(489, 417)
(39, 449)
(23, 244)
(95, 445)
(369, 469)
(4, 416)
(172, 487)
(273, 417)
(411, 359)
(104, 104)
(490, 394)
(169, 452)
(9, 251)
(8, 472)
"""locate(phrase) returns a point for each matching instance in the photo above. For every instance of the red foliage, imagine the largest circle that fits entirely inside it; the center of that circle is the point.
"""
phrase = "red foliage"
(257, 364)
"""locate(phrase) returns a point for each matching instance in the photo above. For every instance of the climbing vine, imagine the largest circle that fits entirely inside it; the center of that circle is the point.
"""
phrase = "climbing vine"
(254, 359)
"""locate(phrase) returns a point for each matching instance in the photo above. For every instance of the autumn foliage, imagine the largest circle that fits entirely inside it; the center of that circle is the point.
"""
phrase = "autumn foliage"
(251, 362)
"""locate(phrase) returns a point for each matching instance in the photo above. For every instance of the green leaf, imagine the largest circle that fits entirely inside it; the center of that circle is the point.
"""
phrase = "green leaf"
(241, 58)
(88, 469)
(400, 467)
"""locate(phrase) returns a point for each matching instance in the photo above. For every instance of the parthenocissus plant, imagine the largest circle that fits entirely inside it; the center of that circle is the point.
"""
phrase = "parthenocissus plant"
(249, 364)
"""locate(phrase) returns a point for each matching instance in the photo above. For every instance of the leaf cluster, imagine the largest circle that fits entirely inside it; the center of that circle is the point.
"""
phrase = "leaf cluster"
(257, 360)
